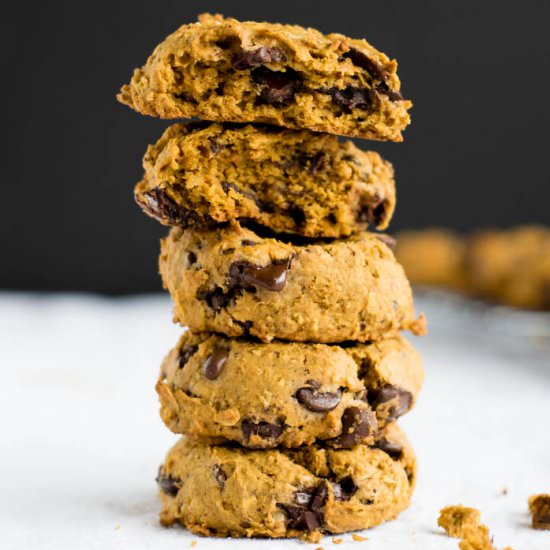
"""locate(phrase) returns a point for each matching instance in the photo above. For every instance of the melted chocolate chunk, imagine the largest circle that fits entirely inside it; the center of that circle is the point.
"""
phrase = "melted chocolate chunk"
(401, 400)
(251, 59)
(361, 60)
(344, 489)
(356, 425)
(168, 484)
(395, 450)
(213, 366)
(389, 241)
(270, 277)
(351, 97)
(277, 87)
(219, 475)
(373, 213)
(218, 298)
(308, 515)
(158, 204)
(317, 401)
(264, 430)
(185, 355)
(383, 88)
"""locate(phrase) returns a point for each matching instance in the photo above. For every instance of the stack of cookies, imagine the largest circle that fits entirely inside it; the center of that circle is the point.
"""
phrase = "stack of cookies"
(293, 371)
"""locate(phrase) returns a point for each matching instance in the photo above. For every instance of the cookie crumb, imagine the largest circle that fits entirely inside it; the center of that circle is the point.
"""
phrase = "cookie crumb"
(464, 523)
(319, 548)
(539, 507)
(337, 541)
(504, 490)
(358, 538)
(193, 543)
(117, 526)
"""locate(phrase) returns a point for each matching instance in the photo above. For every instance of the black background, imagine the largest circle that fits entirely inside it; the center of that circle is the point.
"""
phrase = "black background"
(476, 154)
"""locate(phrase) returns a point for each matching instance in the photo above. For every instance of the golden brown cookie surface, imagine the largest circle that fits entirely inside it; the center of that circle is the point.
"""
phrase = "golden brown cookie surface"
(292, 181)
(230, 491)
(235, 282)
(226, 70)
(286, 394)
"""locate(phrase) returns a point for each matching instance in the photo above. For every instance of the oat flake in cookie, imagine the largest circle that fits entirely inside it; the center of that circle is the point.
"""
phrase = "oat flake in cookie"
(235, 282)
(286, 394)
(226, 70)
(307, 492)
(292, 181)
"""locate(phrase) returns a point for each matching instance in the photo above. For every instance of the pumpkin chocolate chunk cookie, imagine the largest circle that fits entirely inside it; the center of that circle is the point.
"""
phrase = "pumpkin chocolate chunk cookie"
(307, 492)
(293, 181)
(286, 394)
(226, 70)
(234, 281)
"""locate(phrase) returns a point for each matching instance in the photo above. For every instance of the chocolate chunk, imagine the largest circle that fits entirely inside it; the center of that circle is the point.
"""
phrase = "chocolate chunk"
(344, 489)
(395, 450)
(215, 146)
(270, 277)
(248, 242)
(219, 475)
(317, 401)
(356, 425)
(309, 514)
(250, 59)
(389, 241)
(213, 366)
(401, 400)
(185, 355)
(361, 60)
(218, 298)
(383, 88)
(351, 97)
(297, 214)
(264, 430)
(373, 213)
(168, 484)
(158, 204)
(277, 87)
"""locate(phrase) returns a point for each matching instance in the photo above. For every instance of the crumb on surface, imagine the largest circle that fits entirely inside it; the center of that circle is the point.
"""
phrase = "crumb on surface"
(539, 507)
(337, 540)
(193, 543)
(504, 490)
(358, 538)
(117, 526)
(464, 523)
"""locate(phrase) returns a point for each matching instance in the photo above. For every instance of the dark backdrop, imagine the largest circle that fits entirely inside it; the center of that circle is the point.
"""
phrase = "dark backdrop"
(476, 154)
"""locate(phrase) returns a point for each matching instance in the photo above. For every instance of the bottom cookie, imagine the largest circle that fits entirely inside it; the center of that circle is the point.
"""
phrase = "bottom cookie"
(304, 492)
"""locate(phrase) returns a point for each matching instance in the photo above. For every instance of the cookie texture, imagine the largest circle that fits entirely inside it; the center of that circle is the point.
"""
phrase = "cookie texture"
(238, 283)
(231, 491)
(201, 174)
(226, 70)
(432, 257)
(286, 394)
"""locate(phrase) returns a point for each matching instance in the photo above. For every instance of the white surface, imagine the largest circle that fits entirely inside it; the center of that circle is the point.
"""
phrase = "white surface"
(81, 439)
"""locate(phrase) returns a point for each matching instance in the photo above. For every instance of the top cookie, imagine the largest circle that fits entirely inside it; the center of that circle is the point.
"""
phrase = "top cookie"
(225, 70)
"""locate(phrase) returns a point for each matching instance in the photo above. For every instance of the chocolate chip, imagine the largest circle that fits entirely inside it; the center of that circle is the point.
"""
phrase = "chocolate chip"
(264, 430)
(317, 401)
(374, 213)
(359, 59)
(389, 241)
(185, 355)
(383, 88)
(344, 489)
(297, 214)
(356, 425)
(277, 87)
(248, 242)
(218, 298)
(158, 204)
(215, 146)
(168, 484)
(351, 97)
(213, 366)
(395, 450)
(309, 514)
(270, 277)
(249, 59)
(219, 475)
(401, 400)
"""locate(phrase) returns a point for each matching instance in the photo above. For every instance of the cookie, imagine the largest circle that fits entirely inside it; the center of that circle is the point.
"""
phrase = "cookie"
(307, 492)
(511, 267)
(292, 181)
(235, 282)
(225, 70)
(286, 394)
(432, 257)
